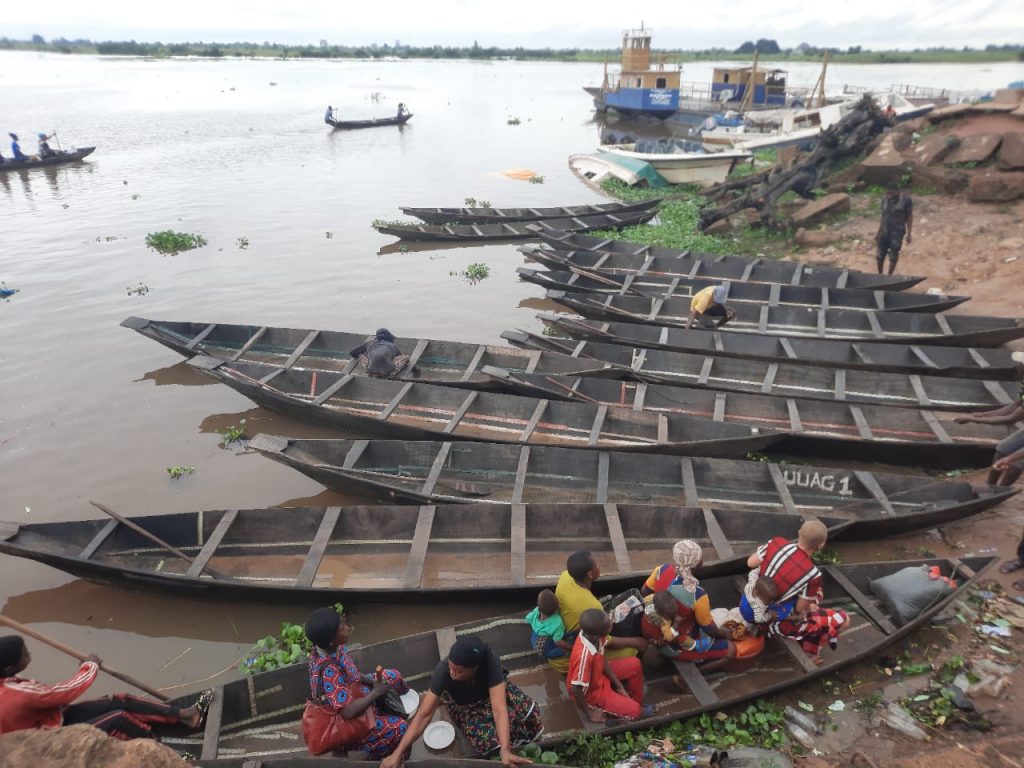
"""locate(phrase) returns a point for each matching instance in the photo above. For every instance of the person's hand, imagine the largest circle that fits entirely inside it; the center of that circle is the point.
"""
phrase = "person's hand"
(640, 643)
(772, 616)
(94, 659)
(596, 716)
(619, 688)
(394, 760)
(379, 689)
(510, 759)
(963, 420)
(1001, 465)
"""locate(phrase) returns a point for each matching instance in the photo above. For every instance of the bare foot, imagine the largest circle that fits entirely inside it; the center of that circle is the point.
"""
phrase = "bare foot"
(191, 717)
(818, 660)
(678, 680)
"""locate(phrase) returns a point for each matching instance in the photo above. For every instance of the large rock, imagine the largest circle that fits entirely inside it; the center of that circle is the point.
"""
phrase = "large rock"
(884, 165)
(817, 211)
(1011, 152)
(933, 149)
(814, 238)
(720, 227)
(82, 746)
(948, 111)
(975, 149)
(946, 180)
(994, 187)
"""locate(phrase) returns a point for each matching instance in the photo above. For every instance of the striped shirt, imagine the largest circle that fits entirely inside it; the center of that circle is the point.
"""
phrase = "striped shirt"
(792, 569)
(586, 669)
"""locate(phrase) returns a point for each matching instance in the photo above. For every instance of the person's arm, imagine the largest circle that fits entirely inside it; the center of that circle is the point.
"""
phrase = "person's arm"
(418, 724)
(579, 697)
(39, 696)
(617, 643)
(356, 707)
(1008, 414)
(693, 316)
(1006, 461)
(613, 679)
(702, 615)
(910, 220)
(565, 646)
(755, 560)
(499, 708)
(360, 350)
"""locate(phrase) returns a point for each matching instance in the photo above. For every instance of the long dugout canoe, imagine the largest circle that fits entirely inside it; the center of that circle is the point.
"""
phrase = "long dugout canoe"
(876, 503)
(523, 230)
(397, 553)
(494, 215)
(252, 715)
(914, 437)
(452, 363)
(801, 322)
(60, 158)
(732, 374)
(637, 257)
(386, 408)
(771, 294)
(961, 362)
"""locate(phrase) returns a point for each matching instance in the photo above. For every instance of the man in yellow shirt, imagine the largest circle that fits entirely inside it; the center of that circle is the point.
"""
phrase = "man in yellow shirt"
(710, 302)
(575, 596)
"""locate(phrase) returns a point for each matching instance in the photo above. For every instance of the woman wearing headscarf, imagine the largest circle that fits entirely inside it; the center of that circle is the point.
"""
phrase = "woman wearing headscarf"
(335, 680)
(692, 606)
(494, 715)
(380, 356)
(27, 704)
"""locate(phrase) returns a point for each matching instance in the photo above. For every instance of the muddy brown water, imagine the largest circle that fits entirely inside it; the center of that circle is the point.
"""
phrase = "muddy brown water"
(237, 151)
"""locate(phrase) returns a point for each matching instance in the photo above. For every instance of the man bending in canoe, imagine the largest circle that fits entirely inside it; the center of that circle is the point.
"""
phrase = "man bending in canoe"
(710, 303)
(28, 704)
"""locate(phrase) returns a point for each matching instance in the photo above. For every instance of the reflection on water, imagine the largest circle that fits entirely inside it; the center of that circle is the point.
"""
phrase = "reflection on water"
(262, 420)
(181, 374)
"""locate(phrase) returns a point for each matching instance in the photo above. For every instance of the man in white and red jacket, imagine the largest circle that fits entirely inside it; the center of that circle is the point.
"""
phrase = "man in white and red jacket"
(28, 704)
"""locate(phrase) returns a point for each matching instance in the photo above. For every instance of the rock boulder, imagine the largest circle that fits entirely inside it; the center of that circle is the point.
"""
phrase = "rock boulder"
(933, 149)
(995, 187)
(82, 746)
(975, 149)
(884, 165)
(818, 210)
(1011, 152)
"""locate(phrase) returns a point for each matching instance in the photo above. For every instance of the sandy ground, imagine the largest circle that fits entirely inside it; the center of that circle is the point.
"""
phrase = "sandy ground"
(966, 249)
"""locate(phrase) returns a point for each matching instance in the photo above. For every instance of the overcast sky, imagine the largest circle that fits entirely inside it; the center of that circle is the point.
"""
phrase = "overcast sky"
(530, 23)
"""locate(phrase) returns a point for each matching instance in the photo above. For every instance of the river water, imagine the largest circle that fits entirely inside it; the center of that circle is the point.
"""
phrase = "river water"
(237, 151)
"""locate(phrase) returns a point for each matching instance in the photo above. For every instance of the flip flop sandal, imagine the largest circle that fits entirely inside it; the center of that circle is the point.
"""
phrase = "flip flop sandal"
(1011, 565)
(202, 705)
(1019, 585)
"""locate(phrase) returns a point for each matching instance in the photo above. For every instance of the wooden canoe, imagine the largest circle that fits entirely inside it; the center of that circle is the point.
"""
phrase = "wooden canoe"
(878, 504)
(261, 713)
(962, 362)
(771, 294)
(392, 553)
(349, 125)
(515, 230)
(296, 757)
(71, 156)
(838, 430)
(386, 408)
(499, 215)
(636, 257)
(821, 323)
(452, 363)
(732, 374)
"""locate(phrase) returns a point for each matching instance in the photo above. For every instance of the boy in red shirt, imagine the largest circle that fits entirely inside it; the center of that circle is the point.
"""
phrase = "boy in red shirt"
(28, 704)
(599, 686)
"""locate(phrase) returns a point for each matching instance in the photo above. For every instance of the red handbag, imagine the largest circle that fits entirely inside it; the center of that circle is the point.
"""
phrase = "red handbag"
(325, 730)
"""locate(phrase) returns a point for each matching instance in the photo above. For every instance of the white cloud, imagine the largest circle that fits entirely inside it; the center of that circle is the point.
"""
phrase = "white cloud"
(531, 23)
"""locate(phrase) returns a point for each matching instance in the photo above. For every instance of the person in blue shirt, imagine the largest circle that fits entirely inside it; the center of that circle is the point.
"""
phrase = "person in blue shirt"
(329, 115)
(16, 148)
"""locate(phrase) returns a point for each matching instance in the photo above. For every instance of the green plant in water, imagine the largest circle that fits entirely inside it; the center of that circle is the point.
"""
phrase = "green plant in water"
(474, 273)
(392, 223)
(827, 556)
(243, 243)
(329, 235)
(139, 290)
(233, 433)
(176, 472)
(290, 646)
(536, 179)
(514, 121)
(171, 242)
(470, 202)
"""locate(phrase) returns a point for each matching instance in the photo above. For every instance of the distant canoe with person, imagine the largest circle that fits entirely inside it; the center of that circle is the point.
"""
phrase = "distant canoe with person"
(60, 158)
(349, 125)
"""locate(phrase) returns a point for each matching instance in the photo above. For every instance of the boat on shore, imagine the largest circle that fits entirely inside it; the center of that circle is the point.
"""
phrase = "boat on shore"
(819, 428)
(596, 168)
(960, 362)
(772, 294)
(385, 408)
(377, 122)
(805, 322)
(589, 251)
(515, 230)
(679, 161)
(60, 158)
(492, 215)
(875, 503)
(393, 553)
(256, 714)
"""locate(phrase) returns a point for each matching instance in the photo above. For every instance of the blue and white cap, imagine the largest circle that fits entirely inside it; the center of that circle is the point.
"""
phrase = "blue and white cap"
(720, 293)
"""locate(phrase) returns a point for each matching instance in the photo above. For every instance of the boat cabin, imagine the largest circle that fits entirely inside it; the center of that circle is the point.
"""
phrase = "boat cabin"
(640, 86)
(731, 83)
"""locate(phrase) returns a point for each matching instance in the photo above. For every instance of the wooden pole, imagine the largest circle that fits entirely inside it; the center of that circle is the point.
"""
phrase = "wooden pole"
(748, 94)
(152, 537)
(29, 632)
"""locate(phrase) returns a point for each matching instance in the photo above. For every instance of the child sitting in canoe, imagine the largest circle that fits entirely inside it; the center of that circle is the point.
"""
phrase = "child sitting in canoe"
(661, 612)
(599, 686)
(758, 604)
(548, 636)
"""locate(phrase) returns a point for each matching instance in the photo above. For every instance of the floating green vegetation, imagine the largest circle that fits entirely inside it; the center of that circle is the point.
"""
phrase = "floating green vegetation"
(472, 202)
(234, 433)
(289, 647)
(514, 121)
(329, 235)
(536, 179)
(827, 556)
(474, 273)
(176, 472)
(138, 290)
(171, 242)
(378, 223)
(242, 243)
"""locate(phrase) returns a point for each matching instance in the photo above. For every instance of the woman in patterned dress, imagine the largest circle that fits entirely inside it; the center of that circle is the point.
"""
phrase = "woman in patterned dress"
(493, 714)
(345, 689)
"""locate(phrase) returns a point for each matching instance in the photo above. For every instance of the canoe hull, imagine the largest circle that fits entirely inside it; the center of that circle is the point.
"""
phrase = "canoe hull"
(351, 125)
(72, 156)
(498, 215)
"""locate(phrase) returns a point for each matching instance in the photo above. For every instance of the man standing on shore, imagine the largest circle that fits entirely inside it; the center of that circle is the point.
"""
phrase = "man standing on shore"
(897, 222)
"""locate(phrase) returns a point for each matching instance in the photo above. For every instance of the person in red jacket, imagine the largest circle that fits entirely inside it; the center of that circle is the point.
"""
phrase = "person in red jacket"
(28, 704)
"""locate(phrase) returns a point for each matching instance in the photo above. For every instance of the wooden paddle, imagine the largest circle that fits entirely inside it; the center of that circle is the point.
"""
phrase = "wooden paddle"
(154, 538)
(29, 632)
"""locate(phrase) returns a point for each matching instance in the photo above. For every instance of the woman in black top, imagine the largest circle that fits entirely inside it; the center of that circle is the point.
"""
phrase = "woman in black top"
(380, 356)
(493, 714)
